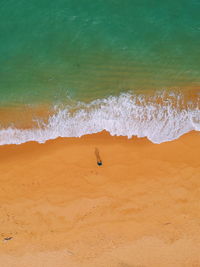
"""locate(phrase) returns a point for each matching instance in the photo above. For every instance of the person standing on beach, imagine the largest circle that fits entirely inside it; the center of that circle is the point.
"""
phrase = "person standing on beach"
(99, 161)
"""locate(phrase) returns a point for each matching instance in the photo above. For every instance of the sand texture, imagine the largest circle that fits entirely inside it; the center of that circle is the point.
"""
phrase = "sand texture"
(141, 208)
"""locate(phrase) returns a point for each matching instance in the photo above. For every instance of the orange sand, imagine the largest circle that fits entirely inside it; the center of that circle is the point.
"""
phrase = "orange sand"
(140, 209)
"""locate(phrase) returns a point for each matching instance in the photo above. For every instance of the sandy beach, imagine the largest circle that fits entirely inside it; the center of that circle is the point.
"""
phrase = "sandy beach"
(141, 208)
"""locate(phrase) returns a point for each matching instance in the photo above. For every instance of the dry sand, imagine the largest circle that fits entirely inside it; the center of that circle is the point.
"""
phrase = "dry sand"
(140, 209)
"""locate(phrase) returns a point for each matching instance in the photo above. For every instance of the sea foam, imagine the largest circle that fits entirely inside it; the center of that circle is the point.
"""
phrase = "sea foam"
(160, 118)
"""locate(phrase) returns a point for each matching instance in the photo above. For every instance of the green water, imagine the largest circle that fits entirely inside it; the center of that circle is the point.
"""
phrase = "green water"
(86, 49)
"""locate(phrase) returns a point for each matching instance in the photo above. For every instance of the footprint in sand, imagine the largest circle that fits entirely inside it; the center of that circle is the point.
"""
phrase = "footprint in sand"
(7, 239)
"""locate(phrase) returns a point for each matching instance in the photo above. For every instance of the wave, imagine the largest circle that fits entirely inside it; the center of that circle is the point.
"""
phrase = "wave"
(161, 117)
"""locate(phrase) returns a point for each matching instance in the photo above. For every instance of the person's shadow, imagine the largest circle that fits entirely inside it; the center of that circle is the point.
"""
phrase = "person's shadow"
(99, 161)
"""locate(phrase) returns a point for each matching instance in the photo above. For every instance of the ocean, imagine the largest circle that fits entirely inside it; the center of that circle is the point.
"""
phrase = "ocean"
(75, 67)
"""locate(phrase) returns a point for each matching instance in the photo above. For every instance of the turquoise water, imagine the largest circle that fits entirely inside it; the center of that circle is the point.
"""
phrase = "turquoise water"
(108, 54)
(87, 49)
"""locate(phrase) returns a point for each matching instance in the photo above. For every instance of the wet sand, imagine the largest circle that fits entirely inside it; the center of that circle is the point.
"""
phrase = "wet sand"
(141, 208)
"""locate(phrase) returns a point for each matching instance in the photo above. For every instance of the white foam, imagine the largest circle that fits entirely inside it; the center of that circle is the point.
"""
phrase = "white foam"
(125, 115)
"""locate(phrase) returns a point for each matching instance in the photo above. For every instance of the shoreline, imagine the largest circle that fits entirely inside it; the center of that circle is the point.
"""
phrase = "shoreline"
(139, 209)
(161, 117)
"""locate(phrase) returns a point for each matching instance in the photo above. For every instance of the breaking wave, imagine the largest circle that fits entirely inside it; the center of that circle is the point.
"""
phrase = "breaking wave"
(160, 118)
